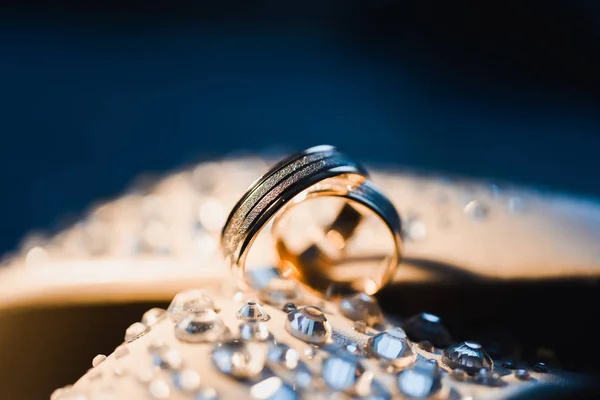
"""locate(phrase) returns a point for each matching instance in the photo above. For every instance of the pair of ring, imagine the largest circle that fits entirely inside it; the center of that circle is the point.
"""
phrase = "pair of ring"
(319, 172)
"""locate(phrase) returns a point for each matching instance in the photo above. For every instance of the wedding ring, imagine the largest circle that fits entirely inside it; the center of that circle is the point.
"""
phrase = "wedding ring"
(319, 172)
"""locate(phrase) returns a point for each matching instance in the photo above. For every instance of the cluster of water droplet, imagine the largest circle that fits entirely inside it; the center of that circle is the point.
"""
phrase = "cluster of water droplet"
(178, 216)
(330, 366)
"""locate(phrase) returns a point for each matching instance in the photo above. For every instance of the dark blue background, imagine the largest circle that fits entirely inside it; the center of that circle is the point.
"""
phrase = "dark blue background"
(95, 94)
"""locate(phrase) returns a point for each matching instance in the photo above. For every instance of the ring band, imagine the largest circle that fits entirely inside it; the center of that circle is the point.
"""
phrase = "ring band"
(308, 173)
(317, 268)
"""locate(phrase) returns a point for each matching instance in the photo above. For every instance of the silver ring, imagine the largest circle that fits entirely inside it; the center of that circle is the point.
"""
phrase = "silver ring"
(318, 171)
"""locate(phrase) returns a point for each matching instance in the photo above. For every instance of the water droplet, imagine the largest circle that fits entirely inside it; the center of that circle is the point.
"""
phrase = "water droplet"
(156, 345)
(98, 360)
(476, 210)
(273, 388)
(60, 392)
(121, 351)
(414, 229)
(57, 393)
(280, 291)
(166, 357)
(509, 364)
(289, 307)
(283, 355)
(242, 360)
(459, 374)
(186, 380)
(145, 374)
(469, 356)
(522, 374)
(252, 311)
(237, 296)
(422, 381)
(362, 307)
(153, 316)
(254, 331)
(206, 394)
(344, 372)
(36, 256)
(159, 389)
(354, 349)
(540, 367)
(309, 324)
(135, 331)
(516, 205)
(486, 377)
(310, 352)
(120, 369)
(392, 346)
(203, 326)
(189, 302)
(426, 345)
(426, 326)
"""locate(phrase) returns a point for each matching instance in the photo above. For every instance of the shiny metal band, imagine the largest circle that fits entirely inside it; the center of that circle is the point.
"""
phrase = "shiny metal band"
(318, 171)
(315, 267)
(279, 185)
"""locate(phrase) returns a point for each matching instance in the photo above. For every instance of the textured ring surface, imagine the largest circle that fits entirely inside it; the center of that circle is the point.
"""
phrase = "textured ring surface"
(318, 171)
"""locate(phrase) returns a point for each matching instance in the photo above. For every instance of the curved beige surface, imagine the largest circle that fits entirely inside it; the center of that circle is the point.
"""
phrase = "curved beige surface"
(520, 234)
